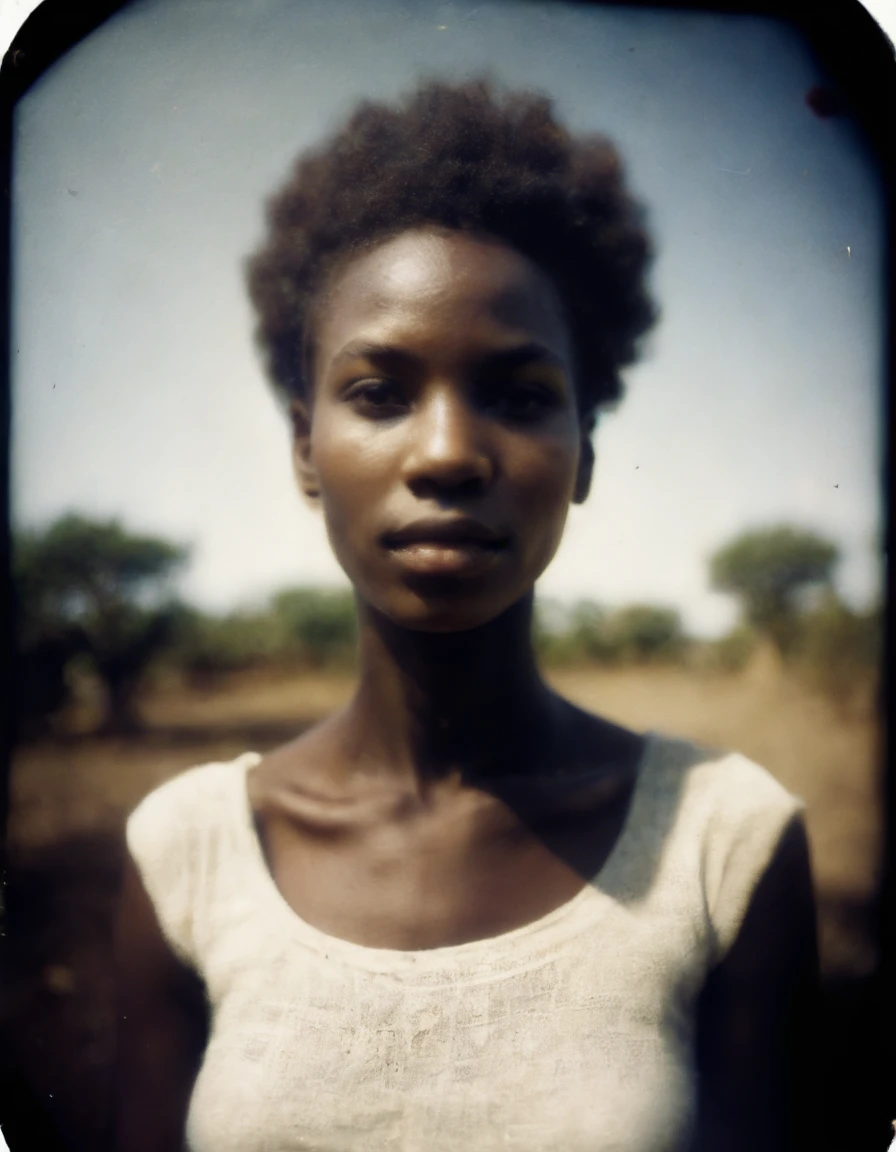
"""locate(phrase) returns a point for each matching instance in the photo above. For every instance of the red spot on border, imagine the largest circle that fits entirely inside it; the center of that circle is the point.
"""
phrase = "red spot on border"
(825, 102)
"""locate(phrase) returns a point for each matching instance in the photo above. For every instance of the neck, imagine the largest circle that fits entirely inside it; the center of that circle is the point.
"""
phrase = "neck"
(433, 705)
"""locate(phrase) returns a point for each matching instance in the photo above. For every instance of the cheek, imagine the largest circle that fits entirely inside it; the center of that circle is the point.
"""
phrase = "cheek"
(545, 484)
(352, 470)
(340, 455)
(548, 477)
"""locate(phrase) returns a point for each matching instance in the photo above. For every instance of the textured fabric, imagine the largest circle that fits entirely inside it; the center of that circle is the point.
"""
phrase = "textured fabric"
(572, 1034)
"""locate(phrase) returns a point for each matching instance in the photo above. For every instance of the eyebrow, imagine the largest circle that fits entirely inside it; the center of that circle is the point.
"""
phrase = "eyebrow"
(389, 356)
(383, 355)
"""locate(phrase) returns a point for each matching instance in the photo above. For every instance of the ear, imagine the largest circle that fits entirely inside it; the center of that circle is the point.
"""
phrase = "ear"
(306, 476)
(585, 469)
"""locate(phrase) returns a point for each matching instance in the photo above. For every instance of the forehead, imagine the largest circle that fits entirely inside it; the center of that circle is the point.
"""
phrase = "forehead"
(432, 285)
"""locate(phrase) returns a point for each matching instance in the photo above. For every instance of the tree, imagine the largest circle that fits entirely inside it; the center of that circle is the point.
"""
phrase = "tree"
(86, 585)
(569, 634)
(317, 623)
(645, 632)
(587, 632)
(41, 684)
(770, 571)
(207, 646)
(840, 650)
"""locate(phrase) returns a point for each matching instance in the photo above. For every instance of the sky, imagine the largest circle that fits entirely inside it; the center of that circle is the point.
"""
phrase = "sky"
(141, 164)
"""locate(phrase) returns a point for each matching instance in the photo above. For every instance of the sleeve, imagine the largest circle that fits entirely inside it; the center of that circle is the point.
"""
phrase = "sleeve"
(749, 817)
(164, 839)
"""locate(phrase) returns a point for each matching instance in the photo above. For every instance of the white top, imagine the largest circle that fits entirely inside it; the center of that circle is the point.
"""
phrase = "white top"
(574, 1033)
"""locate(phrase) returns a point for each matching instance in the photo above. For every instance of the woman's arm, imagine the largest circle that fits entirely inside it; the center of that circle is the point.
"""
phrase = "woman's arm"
(757, 1018)
(161, 1033)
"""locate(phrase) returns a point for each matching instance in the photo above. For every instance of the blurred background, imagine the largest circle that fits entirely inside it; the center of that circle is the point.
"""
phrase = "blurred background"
(178, 603)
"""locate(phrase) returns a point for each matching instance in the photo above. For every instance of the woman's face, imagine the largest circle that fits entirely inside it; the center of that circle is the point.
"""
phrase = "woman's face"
(443, 440)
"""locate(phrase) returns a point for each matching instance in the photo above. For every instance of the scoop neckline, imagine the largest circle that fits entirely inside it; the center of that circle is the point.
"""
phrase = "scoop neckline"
(560, 921)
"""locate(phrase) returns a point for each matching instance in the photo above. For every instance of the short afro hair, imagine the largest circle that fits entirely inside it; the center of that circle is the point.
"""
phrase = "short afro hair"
(469, 158)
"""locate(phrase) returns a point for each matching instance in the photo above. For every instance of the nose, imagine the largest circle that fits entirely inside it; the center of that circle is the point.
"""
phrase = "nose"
(449, 447)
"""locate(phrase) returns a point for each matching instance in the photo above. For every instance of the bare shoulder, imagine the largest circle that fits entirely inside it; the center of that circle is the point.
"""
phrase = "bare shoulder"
(776, 940)
(297, 787)
(757, 1017)
(594, 771)
(296, 767)
(141, 948)
(593, 745)
(162, 1027)
(592, 741)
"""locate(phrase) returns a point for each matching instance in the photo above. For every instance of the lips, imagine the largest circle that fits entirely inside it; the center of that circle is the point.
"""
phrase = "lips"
(445, 547)
(441, 531)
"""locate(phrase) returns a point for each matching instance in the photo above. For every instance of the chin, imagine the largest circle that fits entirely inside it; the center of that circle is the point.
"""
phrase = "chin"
(443, 623)
(445, 609)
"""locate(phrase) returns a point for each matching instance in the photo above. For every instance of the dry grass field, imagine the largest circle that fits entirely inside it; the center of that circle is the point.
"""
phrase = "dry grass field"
(70, 795)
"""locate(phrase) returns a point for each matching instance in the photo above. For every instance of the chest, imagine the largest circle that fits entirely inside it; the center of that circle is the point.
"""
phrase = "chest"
(465, 871)
(581, 1042)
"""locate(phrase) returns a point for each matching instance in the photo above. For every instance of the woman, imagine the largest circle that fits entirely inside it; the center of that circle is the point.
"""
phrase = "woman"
(461, 912)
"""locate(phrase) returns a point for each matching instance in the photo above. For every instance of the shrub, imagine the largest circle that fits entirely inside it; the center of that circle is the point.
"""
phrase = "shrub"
(207, 645)
(732, 652)
(316, 625)
(586, 632)
(644, 633)
(839, 650)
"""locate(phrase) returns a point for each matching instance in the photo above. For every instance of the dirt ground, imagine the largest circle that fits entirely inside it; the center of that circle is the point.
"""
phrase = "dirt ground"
(70, 796)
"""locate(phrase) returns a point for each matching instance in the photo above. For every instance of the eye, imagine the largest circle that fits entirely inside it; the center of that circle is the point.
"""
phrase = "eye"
(377, 398)
(520, 401)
